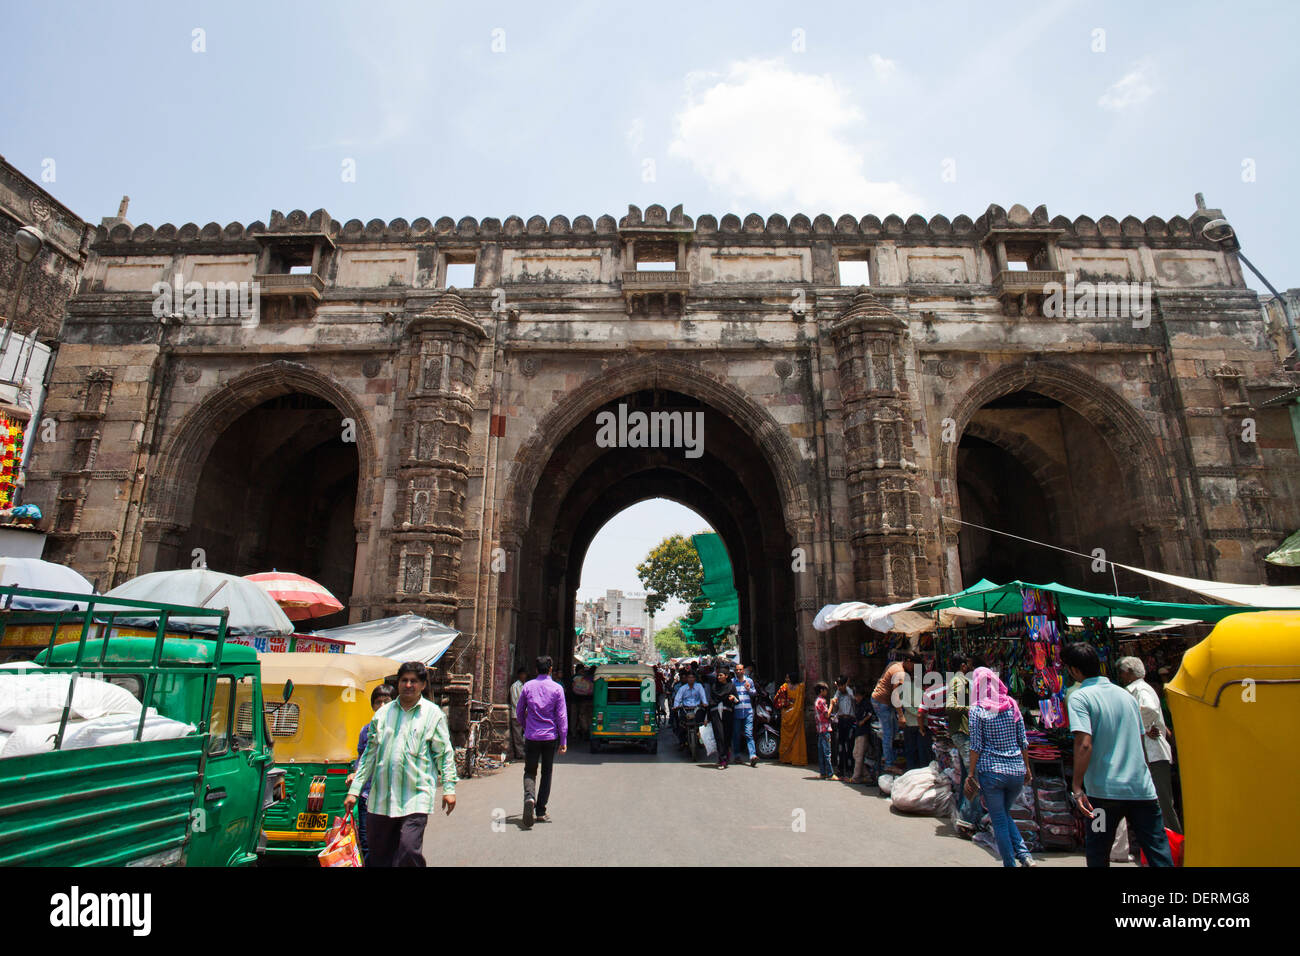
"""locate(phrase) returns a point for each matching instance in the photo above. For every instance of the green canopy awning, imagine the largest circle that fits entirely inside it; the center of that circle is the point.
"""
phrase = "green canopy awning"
(718, 587)
(1006, 599)
(1288, 553)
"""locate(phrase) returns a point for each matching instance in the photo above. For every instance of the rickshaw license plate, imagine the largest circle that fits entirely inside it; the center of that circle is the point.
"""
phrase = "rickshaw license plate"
(313, 821)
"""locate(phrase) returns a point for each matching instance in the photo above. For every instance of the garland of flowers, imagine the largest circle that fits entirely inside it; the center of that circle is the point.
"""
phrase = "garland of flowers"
(11, 456)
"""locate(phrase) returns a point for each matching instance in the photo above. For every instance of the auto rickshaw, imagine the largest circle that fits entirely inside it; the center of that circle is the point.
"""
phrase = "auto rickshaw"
(624, 707)
(314, 723)
(1233, 702)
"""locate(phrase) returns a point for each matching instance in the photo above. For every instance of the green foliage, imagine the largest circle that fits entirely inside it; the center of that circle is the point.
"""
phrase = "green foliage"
(672, 569)
(670, 643)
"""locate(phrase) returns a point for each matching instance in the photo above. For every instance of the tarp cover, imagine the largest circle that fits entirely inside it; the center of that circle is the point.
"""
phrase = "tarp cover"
(719, 588)
(1287, 553)
(1250, 595)
(407, 637)
(1006, 599)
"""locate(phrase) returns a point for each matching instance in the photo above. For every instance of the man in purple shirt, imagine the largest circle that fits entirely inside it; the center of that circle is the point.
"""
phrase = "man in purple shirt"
(541, 712)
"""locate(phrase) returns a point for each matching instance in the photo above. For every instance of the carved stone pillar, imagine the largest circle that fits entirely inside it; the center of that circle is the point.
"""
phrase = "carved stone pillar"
(889, 562)
(441, 351)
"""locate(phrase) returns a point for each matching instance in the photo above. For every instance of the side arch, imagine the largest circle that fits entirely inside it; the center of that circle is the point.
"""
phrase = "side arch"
(1136, 448)
(181, 461)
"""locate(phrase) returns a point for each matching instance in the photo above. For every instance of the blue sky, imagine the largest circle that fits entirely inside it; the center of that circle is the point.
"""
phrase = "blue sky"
(571, 108)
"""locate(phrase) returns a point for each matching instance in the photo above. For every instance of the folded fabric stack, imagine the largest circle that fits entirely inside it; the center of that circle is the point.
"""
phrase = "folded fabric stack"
(1041, 748)
(1056, 820)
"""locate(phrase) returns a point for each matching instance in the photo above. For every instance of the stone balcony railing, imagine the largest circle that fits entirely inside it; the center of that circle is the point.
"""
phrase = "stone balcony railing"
(1019, 282)
(307, 284)
(676, 280)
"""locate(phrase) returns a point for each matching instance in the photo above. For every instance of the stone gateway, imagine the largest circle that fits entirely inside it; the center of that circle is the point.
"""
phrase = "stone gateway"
(422, 448)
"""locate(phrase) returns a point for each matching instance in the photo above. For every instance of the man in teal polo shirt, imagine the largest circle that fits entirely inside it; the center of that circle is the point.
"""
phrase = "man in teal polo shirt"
(1110, 762)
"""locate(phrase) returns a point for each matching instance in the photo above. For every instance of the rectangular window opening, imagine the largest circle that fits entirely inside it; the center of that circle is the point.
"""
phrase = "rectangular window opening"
(855, 270)
(460, 274)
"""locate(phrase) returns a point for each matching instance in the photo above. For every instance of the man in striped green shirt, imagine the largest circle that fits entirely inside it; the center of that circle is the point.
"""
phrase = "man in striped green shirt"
(409, 750)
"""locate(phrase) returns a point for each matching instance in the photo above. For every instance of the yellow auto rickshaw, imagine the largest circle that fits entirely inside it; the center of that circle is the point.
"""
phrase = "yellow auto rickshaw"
(314, 722)
(1234, 702)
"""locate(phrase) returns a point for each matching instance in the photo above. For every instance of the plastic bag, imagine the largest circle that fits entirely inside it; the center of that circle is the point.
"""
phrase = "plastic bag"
(341, 847)
(709, 741)
(924, 791)
(1119, 849)
(1175, 848)
(885, 783)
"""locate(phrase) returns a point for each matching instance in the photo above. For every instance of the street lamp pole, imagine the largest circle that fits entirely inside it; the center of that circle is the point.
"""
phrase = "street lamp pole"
(1219, 231)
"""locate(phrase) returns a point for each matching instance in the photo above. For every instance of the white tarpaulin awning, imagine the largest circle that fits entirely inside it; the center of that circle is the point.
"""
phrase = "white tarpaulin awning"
(1250, 595)
(407, 637)
(887, 617)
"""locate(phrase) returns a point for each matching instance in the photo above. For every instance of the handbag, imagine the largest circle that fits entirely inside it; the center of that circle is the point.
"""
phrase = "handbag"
(341, 847)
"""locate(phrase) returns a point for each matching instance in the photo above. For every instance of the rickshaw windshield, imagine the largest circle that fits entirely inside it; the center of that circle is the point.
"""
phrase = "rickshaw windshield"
(623, 692)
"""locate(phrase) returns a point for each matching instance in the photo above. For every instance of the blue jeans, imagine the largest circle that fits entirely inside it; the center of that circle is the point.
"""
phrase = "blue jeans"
(744, 724)
(1000, 791)
(824, 753)
(887, 717)
(1146, 829)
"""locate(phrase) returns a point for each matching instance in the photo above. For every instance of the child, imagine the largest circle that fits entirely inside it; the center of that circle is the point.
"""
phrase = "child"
(822, 707)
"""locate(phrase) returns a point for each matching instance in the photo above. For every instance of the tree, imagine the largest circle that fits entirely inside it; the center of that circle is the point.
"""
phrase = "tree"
(672, 569)
(669, 641)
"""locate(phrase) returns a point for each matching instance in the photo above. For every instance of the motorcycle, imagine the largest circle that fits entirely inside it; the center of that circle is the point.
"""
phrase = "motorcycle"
(767, 726)
(691, 720)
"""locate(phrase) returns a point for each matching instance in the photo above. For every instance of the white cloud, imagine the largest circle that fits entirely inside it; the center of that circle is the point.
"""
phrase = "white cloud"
(635, 134)
(1131, 89)
(882, 67)
(778, 138)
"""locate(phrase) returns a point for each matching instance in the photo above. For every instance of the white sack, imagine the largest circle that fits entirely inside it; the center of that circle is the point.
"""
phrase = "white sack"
(98, 732)
(39, 698)
(924, 790)
(885, 784)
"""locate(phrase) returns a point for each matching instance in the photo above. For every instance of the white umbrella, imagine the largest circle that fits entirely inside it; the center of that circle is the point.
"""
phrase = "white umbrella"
(253, 612)
(41, 576)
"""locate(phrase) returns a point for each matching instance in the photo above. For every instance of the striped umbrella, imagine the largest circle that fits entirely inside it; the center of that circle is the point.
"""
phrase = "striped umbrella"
(300, 597)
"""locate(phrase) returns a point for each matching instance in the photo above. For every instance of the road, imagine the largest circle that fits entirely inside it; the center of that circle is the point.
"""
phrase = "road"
(636, 809)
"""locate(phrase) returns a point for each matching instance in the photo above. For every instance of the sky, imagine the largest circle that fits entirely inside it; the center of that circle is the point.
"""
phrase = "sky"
(222, 111)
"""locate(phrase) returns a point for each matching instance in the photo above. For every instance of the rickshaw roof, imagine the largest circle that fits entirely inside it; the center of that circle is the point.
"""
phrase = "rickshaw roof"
(325, 670)
(624, 670)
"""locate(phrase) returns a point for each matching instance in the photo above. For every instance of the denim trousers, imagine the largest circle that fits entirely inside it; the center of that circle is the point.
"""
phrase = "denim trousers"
(1000, 791)
(842, 741)
(744, 728)
(1146, 828)
(887, 717)
(824, 753)
(918, 750)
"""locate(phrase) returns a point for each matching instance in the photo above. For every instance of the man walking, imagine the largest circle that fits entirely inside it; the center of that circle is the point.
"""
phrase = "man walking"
(1160, 756)
(1111, 779)
(408, 750)
(516, 728)
(744, 714)
(842, 708)
(542, 713)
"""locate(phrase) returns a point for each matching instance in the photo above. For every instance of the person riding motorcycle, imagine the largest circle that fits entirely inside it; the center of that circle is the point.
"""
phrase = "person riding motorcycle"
(689, 695)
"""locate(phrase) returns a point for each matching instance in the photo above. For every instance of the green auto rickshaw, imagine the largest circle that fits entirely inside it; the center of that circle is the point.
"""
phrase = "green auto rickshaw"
(623, 707)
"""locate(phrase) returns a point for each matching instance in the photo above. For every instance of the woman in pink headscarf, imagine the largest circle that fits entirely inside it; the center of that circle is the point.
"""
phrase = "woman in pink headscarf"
(999, 760)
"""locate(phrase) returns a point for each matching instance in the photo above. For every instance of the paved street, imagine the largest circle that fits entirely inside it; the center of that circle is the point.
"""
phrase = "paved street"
(631, 808)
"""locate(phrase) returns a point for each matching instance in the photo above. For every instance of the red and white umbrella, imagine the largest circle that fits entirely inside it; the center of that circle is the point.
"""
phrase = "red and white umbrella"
(300, 597)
